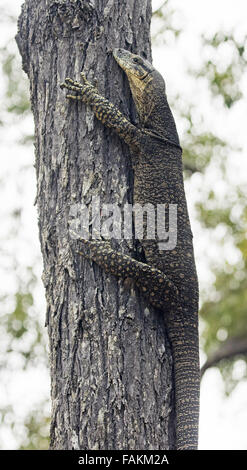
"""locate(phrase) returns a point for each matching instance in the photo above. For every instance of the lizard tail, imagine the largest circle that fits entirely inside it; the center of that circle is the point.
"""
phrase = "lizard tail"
(184, 342)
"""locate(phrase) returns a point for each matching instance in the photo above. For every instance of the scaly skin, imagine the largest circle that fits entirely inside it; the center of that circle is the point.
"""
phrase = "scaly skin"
(168, 279)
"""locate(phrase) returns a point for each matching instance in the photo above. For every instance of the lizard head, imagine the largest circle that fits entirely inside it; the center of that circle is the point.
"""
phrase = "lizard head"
(145, 82)
(149, 93)
(135, 67)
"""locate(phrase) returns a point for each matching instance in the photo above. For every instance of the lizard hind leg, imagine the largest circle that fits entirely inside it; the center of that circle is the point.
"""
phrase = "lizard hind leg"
(152, 283)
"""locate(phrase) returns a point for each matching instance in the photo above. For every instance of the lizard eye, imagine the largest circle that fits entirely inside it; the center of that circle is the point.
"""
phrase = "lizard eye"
(136, 60)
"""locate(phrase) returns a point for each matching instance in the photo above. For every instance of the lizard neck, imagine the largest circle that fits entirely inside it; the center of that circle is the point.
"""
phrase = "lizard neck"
(159, 119)
(152, 106)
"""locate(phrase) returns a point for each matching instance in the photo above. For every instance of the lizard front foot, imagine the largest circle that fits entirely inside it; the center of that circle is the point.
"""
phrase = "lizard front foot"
(82, 89)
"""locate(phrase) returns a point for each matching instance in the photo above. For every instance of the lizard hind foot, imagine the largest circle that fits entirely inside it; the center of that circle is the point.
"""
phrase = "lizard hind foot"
(153, 283)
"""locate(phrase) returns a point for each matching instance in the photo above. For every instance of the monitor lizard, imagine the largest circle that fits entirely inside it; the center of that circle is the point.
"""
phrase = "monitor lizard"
(167, 278)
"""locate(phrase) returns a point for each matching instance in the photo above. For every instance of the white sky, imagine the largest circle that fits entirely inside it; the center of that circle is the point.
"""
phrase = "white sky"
(223, 421)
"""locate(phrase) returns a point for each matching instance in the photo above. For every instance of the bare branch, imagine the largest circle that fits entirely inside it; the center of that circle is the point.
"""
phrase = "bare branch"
(232, 347)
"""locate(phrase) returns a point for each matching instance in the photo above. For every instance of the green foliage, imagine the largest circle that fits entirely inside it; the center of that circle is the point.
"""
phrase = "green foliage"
(20, 322)
(224, 75)
(23, 344)
(224, 318)
(164, 23)
(199, 150)
(230, 297)
(199, 147)
(37, 425)
(224, 314)
(32, 432)
(16, 92)
(23, 348)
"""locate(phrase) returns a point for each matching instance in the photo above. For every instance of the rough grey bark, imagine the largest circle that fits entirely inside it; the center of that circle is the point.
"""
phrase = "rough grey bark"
(111, 380)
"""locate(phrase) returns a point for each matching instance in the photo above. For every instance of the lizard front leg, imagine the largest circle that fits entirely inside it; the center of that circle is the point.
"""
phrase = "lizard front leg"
(103, 109)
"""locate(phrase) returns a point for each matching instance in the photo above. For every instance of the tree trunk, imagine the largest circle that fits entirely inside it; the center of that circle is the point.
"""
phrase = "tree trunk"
(110, 360)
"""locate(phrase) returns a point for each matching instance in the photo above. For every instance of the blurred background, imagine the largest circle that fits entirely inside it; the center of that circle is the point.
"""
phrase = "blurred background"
(201, 50)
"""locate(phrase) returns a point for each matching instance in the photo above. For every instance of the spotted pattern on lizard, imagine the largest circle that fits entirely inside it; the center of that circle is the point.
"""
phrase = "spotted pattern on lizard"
(168, 278)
